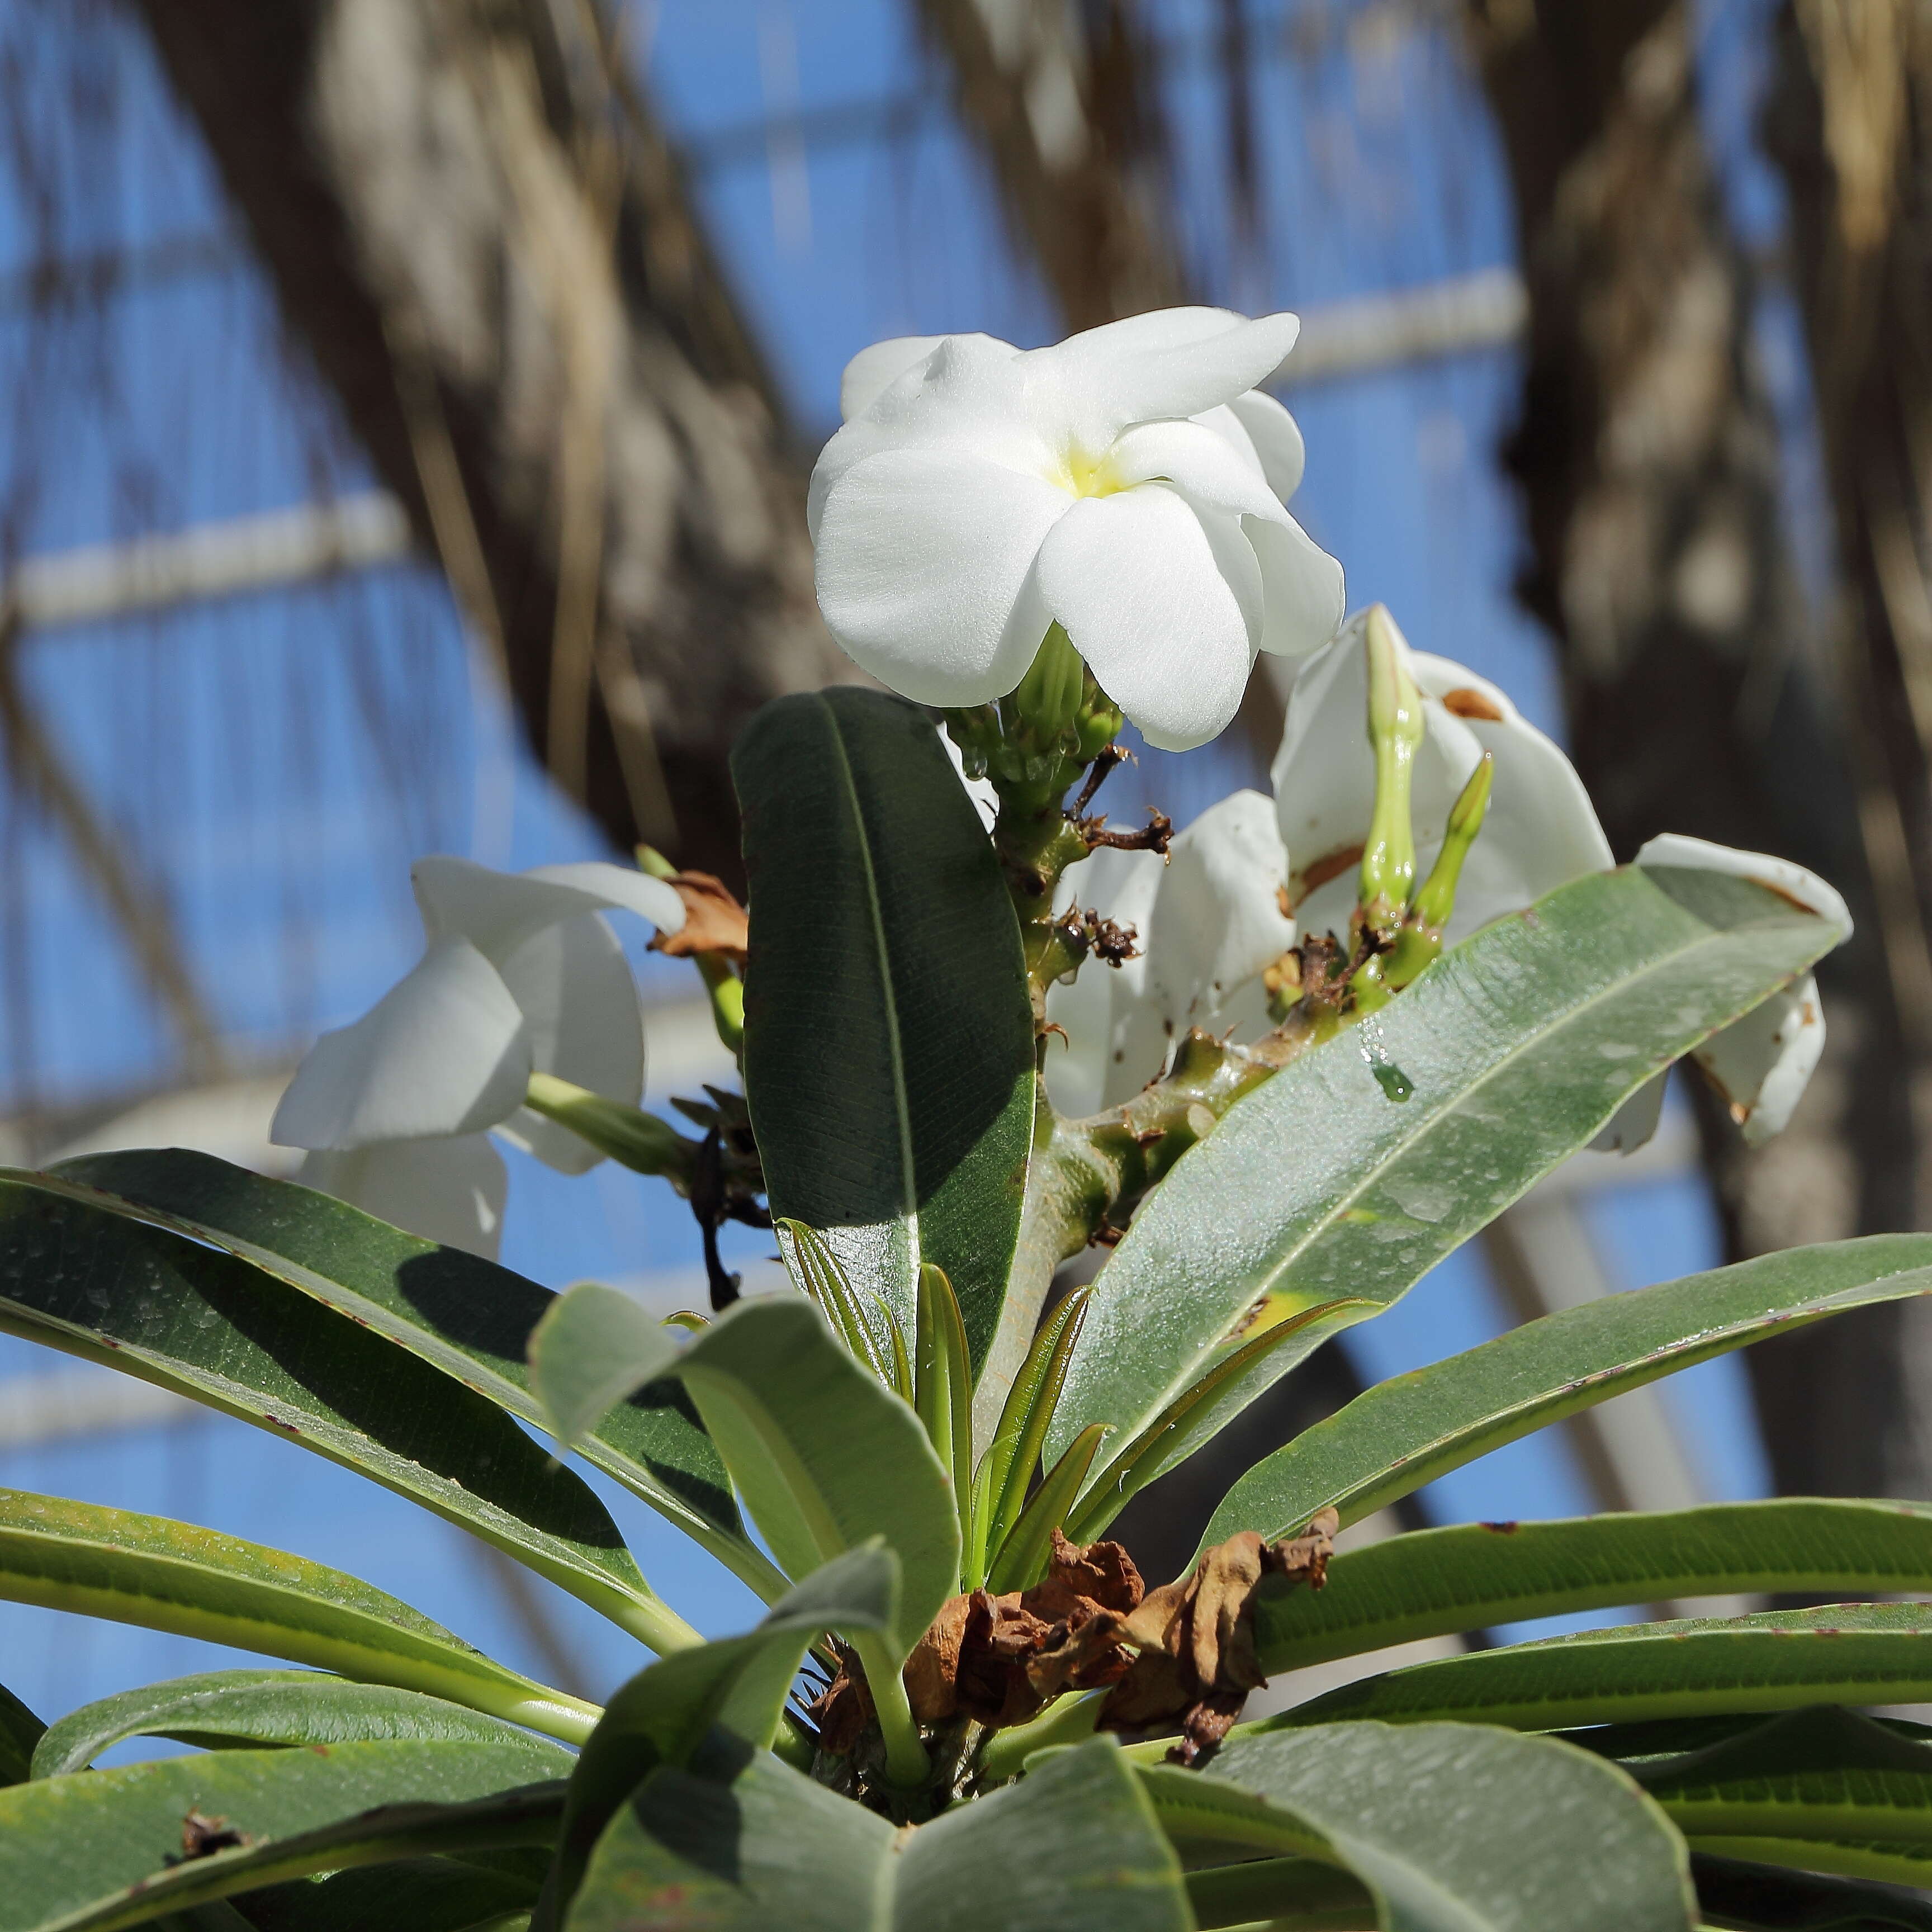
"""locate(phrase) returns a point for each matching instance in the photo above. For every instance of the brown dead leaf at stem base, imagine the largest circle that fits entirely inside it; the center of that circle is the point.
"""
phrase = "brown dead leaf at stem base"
(714, 922)
(1183, 1653)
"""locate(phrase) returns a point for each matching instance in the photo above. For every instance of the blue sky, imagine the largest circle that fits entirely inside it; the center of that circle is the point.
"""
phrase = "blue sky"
(278, 759)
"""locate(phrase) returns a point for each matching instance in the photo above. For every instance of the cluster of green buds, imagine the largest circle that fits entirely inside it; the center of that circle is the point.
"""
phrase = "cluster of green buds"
(1397, 930)
(1034, 743)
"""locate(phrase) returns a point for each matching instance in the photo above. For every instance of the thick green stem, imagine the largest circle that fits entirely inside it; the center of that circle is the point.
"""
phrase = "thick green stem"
(907, 1764)
(630, 1136)
(1395, 732)
(1069, 1720)
(652, 1622)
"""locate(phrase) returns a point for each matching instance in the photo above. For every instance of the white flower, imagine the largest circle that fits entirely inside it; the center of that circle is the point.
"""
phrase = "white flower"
(1207, 923)
(1539, 833)
(1127, 483)
(520, 974)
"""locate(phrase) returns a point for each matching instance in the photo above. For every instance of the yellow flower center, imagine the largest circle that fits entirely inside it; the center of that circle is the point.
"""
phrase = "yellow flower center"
(1081, 474)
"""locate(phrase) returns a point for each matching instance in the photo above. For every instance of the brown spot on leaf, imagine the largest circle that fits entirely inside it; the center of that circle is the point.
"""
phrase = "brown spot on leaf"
(203, 1836)
(1463, 702)
(714, 922)
(1500, 1528)
(1785, 893)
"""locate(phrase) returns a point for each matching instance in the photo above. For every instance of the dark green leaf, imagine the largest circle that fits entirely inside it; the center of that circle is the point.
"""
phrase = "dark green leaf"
(409, 1895)
(1406, 1432)
(1889, 1862)
(467, 1316)
(1518, 1045)
(20, 1731)
(665, 1712)
(95, 1283)
(146, 1569)
(104, 1849)
(1292, 1895)
(1761, 1898)
(1460, 1829)
(1074, 1848)
(889, 1043)
(222, 1708)
(1479, 1574)
(1847, 1653)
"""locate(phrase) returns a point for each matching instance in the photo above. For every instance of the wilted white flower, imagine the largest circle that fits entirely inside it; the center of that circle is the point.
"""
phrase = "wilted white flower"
(1127, 483)
(521, 974)
(1207, 922)
(1539, 833)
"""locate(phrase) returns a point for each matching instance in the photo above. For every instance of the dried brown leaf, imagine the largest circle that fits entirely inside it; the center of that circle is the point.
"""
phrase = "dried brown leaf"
(714, 922)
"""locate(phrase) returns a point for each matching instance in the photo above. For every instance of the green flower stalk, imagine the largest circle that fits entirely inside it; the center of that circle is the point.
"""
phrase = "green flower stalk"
(1420, 940)
(1395, 732)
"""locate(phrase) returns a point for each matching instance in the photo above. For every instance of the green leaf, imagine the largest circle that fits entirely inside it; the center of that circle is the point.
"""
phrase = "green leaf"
(1822, 1773)
(1437, 1581)
(592, 1347)
(1073, 1848)
(665, 1712)
(1459, 1828)
(223, 1708)
(20, 1732)
(469, 1317)
(1405, 1432)
(815, 1269)
(1020, 1561)
(1762, 1898)
(824, 1456)
(1317, 1898)
(943, 1383)
(407, 1895)
(78, 1277)
(1845, 1653)
(1891, 1863)
(1517, 1046)
(175, 1576)
(104, 1849)
(888, 1041)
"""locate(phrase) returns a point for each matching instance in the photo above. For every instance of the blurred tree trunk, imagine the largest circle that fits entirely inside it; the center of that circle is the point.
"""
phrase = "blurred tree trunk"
(1647, 460)
(476, 229)
(1060, 98)
(1849, 123)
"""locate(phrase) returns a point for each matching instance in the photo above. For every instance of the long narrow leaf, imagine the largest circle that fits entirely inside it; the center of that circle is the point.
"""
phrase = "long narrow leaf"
(1020, 1560)
(1406, 1432)
(1438, 1581)
(101, 1850)
(114, 1290)
(20, 1734)
(467, 1317)
(273, 1707)
(889, 1053)
(1515, 1048)
(1847, 1653)
(1762, 1898)
(814, 1268)
(942, 1384)
(147, 1570)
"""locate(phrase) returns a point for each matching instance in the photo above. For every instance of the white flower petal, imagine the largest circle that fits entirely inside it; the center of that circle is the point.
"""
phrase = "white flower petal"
(1634, 1123)
(1135, 579)
(1762, 1063)
(1301, 585)
(444, 1052)
(1217, 920)
(924, 559)
(1782, 876)
(969, 395)
(1173, 363)
(1277, 438)
(1541, 830)
(450, 1191)
(580, 1009)
(873, 371)
(1115, 1041)
(1207, 467)
(497, 912)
